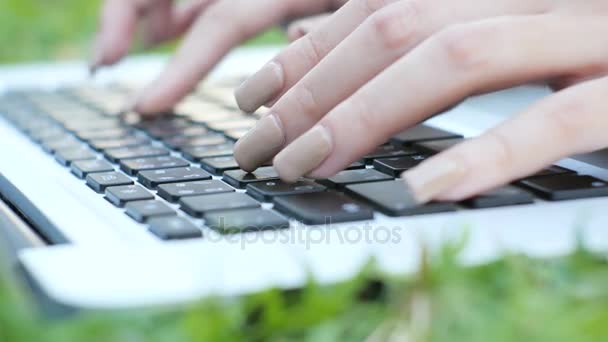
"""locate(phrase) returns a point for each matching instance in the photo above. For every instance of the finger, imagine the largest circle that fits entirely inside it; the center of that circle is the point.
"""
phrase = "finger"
(289, 66)
(185, 15)
(389, 33)
(461, 61)
(568, 123)
(210, 39)
(156, 23)
(179, 20)
(302, 27)
(116, 30)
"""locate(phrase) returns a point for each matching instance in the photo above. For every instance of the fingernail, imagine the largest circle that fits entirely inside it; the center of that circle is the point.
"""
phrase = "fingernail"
(303, 155)
(260, 144)
(95, 59)
(260, 88)
(432, 178)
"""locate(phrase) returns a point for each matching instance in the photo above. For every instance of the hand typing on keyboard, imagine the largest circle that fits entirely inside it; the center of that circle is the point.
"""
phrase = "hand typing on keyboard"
(211, 29)
(376, 68)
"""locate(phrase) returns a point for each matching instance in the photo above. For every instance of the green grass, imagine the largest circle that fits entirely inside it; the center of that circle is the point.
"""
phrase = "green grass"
(32, 30)
(513, 299)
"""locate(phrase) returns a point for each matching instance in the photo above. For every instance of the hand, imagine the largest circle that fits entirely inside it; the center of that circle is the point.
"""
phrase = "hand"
(377, 67)
(214, 27)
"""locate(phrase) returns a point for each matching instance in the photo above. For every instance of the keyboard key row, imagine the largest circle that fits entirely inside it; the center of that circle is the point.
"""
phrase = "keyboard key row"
(348, 196)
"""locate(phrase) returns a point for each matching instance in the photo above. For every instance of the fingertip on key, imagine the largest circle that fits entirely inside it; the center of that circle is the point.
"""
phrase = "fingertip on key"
(260, 88)
(304, 155)
(260, 144)
(433, 178)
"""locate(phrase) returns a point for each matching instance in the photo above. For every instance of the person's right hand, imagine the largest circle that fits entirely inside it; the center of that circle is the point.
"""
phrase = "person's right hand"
(378, 67)
(213, 28)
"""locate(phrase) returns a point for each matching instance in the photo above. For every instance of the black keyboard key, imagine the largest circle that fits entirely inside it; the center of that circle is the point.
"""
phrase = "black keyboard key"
(200, 152)
(134, 166)
(505, 196)
(82, 168)
(240, 178)
(174, 228)
(100, 145)
(552, 171)
(436, 146)
(389, 151)
(179, 142)
(198, 206)
(153, 178)
(100, 181)
(242, 221)
(396, 166)
(66, 157)
(64, 143)
(266, 191)
(322, 208)
(117, 154)
(567, 187)
(120, 195)
(394, 199)
(141, 211)
(164, 127)
(48, 134)
(421, 133)
(175, 191)
(347, 177)
(217, 165)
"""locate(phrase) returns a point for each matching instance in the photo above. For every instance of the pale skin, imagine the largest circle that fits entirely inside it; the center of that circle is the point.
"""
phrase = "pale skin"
(392, 63)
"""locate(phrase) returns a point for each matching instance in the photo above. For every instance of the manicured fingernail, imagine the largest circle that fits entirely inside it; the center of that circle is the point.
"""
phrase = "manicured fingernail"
(432, 178)
(260, 144)
(304, 154)
(260, 88)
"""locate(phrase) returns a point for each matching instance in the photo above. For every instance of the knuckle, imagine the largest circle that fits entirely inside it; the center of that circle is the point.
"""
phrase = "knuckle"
(305, 100)
(313, 50)
(568, 121)
(502, 148)
(463, 47)
(363, 115)
(396, 26)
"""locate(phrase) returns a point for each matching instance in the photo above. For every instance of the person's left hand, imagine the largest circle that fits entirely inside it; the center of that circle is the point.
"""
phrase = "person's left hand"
(342, 92)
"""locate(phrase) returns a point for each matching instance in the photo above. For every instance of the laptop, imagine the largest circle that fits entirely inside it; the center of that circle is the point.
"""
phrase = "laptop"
(105, 211)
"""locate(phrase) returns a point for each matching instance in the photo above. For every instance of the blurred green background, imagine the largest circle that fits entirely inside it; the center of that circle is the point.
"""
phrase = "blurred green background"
(34, 30)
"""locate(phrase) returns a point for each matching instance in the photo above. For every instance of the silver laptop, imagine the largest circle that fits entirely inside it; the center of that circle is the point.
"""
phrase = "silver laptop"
(105, 211)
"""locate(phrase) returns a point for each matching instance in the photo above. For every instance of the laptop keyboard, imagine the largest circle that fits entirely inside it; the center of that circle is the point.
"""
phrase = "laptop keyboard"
(170, 172)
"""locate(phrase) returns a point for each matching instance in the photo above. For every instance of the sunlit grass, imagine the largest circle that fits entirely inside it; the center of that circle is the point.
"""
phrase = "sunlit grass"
(513, 299)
